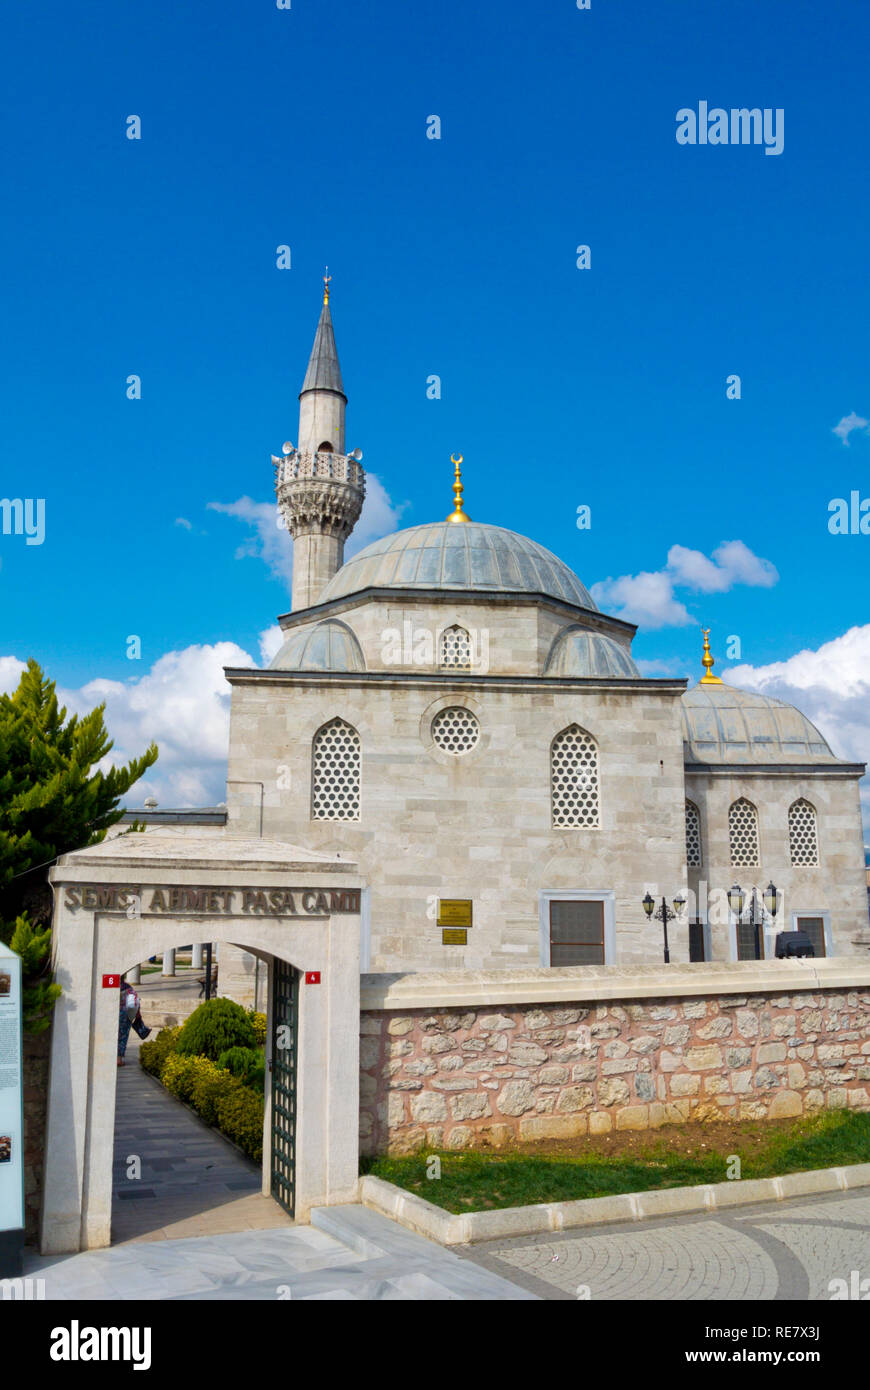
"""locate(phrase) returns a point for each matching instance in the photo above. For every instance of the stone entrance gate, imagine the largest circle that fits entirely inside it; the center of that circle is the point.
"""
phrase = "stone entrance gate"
(122, 901)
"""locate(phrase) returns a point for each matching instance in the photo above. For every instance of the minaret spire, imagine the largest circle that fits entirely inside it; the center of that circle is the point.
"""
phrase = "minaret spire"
(320, 489)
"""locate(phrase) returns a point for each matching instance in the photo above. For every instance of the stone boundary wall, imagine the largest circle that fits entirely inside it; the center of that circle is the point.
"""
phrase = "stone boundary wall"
(35, 1062)
(468, 1077)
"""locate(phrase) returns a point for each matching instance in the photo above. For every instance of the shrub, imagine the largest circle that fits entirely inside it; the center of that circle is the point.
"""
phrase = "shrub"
(209, 1082)
(153, 1054)
(240, 1117)
(246, 1063)
(180, 1074)
(215, 1026)
(259, 1023)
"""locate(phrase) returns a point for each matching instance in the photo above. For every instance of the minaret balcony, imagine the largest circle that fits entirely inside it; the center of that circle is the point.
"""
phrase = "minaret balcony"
(340, 468)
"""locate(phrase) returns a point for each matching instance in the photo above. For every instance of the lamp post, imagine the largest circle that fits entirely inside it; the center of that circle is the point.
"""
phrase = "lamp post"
(664, 915)
(770, 901)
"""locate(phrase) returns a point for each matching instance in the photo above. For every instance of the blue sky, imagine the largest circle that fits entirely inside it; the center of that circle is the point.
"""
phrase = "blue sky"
(455, 257)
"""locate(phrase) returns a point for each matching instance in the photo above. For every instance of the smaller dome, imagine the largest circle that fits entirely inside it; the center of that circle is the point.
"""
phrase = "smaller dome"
(327, 646)
(581, 653)
(724, 725)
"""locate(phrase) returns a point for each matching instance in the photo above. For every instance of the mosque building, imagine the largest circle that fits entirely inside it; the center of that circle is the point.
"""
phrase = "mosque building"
(452, 712)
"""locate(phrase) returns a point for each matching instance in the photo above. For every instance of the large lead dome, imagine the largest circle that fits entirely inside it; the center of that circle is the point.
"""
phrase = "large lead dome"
(440, 555)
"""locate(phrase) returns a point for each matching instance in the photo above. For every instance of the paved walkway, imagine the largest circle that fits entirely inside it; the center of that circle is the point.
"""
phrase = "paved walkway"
(351, 1254)
(775, 1251)
(192, 1181)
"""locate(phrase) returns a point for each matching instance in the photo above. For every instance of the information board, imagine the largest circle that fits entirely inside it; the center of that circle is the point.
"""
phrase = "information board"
(11, 1092)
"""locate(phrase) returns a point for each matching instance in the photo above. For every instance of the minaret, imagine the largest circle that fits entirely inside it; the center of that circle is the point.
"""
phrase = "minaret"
(320, 489)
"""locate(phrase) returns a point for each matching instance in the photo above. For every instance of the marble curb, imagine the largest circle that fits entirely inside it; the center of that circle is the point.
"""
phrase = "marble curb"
(546, 1218)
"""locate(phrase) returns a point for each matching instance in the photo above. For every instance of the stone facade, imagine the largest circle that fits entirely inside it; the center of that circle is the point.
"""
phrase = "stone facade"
(831, 889)
(477, 826)
(462, 1078)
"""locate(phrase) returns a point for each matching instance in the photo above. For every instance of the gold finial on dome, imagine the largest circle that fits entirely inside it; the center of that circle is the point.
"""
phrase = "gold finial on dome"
(708, 661)
(326, 279)
(457, 514)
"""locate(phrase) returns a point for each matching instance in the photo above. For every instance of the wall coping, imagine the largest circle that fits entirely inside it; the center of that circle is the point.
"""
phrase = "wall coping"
(594, 983)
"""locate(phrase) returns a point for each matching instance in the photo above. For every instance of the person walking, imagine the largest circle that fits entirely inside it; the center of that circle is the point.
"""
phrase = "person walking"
(130, 1017)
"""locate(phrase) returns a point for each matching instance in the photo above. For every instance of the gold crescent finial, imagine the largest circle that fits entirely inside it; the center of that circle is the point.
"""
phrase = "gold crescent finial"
(326, 279)
(457, 514)
(708, 661)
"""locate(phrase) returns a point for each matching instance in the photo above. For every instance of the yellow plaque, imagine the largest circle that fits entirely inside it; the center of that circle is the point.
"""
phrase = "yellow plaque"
(454, 912)
(454, 936)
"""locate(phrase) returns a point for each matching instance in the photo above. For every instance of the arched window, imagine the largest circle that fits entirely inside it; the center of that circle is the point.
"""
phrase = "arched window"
(803, 836)
(574, 778)
(693, 836)
(743, 834)
(455, 648)
(335, 772)
(325, 447)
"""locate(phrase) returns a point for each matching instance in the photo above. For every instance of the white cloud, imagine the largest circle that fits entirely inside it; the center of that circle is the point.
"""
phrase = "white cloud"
(183, 705)
(648, 598)
(271, 642)
(270, 541)
(849, 424)
(10, 673)
(830, 685)
(183, 521)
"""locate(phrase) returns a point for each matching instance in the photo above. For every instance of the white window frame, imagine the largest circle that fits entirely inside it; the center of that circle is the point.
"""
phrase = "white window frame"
(825, 915)
(607, 896)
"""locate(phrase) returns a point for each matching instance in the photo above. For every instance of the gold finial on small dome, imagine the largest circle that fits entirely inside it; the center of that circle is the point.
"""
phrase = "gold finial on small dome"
(326, 279)
(457, 514)
(708, 661)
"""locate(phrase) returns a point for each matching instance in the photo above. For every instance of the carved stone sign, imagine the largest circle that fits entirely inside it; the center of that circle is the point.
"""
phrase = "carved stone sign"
(175, 900)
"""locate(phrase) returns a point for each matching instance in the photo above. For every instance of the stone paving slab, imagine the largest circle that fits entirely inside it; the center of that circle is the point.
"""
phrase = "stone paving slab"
(192, 1182)
(792, 1249)
(298, 1263)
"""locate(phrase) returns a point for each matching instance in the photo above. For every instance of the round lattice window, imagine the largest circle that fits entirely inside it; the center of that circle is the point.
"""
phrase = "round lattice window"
(455, 730)
(336, 772)
(802, 836)
(574, 778)
(693, 836)
(743, 831)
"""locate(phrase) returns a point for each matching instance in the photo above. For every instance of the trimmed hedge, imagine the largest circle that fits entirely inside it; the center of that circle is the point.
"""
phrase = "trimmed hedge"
(259, 1024)
(220, 1098)
(246, 1063)
(153, 1054)
(215, 1026)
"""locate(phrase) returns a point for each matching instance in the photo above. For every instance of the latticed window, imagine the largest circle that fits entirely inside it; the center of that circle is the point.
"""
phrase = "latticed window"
(802, 834)
(693, 836)
(335, 773)
(574, 777)
(455, 649)
(743, 833)
(455, 730)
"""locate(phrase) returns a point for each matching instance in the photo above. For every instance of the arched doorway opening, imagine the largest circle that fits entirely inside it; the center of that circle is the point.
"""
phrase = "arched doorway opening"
(297, 911)
(179, 1172)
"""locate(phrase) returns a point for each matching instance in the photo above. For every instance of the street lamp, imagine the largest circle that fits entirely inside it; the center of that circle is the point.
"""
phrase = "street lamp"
(769, 905)
(664, 915)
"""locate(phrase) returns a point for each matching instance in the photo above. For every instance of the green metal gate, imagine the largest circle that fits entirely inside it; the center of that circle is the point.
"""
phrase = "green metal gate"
(285, 1010)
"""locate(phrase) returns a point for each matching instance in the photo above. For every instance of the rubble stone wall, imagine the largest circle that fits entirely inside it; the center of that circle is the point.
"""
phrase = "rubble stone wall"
(464, 1078)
